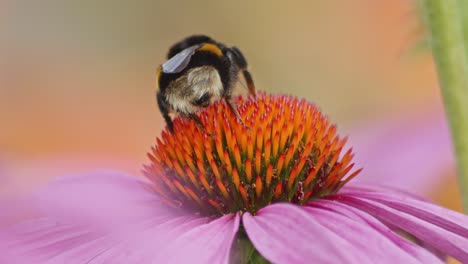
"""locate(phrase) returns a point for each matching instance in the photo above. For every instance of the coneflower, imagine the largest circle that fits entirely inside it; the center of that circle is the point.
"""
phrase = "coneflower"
(279, 183)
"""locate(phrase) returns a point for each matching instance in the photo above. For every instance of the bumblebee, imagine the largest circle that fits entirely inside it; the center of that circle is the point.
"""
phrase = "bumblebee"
(198, 72)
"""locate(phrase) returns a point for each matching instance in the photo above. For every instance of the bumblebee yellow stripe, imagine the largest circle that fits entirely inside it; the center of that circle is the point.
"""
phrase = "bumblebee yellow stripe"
(211, 48)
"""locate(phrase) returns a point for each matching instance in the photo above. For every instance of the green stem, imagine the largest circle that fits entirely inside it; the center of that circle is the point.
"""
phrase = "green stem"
(445, 24)
(244, 252)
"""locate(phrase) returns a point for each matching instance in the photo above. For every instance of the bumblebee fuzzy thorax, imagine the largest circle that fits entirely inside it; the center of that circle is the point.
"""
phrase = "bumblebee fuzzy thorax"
(200, 87)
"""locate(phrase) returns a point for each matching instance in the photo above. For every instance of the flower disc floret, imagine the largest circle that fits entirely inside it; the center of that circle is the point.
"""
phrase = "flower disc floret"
(286, 151)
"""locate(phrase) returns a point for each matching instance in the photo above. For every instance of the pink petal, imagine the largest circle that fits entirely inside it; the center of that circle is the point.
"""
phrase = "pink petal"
(103, 198)
(183, 239)
(374, 188)
(443, 229)
(139, 229)
(287, 233)
(420, 253)
(13, 210)
(23, 175)
(404, 201)
(210, 243)
(202, 240)
(412, 154)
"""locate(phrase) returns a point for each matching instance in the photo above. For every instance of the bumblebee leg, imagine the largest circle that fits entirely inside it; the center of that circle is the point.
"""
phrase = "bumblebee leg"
(197, 120)
(240, 60)
(163, 107)
(199, 123)
(249, 81)
(233, 108)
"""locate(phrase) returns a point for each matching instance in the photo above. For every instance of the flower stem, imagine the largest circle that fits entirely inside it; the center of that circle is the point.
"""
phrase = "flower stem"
(244, 252)
(448, 47)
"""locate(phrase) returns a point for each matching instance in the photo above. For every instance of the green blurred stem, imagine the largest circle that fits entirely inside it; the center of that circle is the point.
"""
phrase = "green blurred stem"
(244, 252)
(448, 47)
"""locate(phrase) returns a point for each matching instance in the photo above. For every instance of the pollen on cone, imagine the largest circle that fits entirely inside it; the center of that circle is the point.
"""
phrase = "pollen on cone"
(181, 188)
(250, 147)
(259, 138)
(235, 178)
(269, 175)
(289, 153)
(192, 177)
(219, 148)
(248, 170)
(279, 165)
(237, 156)
(193, 195)
(258, 186)
(278, 190)
(201, 166)
(292, 177)
(283, 137)
(216, 205)
(179, 170)
(267, 151)
(215, 170)
(275, 144)
(205, 184)
(227, 162)
(222, 188)
(286, 151)
(243, 194)
(258, 161)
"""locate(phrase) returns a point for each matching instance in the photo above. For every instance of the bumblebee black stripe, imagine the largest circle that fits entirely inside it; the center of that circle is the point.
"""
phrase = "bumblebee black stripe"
(200, 58)
(188, 42)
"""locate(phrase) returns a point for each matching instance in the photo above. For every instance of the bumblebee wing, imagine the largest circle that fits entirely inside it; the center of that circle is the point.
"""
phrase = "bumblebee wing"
(180, 61)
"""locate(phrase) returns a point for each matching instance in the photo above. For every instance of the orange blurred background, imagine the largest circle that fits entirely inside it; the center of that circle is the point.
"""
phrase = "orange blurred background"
(77, 78)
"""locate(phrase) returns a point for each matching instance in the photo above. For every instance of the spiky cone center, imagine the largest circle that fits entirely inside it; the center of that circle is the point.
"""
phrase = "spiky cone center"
(287, 151)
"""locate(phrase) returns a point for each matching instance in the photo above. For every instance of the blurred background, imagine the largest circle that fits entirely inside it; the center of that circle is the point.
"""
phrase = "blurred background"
(77, 78)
